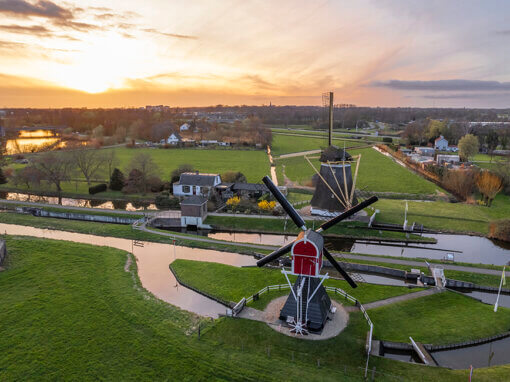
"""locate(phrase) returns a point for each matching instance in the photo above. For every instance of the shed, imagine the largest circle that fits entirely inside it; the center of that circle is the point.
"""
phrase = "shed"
(193, 211)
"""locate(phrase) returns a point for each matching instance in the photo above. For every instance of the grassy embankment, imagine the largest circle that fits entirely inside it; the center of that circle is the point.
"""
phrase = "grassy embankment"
(126, 232)
(438, 319)
(344, 229)
(232, 283)
(69, 311)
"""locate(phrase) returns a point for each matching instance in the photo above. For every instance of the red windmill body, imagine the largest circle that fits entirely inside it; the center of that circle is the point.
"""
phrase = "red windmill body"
(307, 254)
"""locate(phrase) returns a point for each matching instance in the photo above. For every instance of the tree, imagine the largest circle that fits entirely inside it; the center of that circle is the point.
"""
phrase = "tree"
(117, 180)
(28, 176)
(233, 177)
(110, 160)
(98, 132)
(489, 185)
(468, 146)
(460, 182)
(120, 134)
(492, 142)
(176, 174)
(145, 165)
(54, 167)
(88, 161)
(3, 179)
(134, 183)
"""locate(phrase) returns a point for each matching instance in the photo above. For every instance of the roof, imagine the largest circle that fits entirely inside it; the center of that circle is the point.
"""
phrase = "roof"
(195, 200)
(197, 179)
(250, 187)
(177, 135)
(439, 138)
(224, 186)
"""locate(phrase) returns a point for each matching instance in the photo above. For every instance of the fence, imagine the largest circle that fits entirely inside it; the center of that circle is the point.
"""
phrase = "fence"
(266, 289)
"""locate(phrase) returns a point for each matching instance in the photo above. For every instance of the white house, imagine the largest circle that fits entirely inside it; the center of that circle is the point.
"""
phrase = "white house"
(194, 183)
(441, 143)
(184, 127)
(174, 139)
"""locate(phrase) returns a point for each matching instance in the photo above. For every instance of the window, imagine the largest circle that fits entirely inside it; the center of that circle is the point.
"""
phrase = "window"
(185, 189)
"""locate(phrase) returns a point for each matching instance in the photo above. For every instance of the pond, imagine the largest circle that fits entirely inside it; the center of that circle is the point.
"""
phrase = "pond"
(73, 202)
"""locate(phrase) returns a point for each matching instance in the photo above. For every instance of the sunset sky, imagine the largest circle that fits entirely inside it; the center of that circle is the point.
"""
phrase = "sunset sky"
(206, 52)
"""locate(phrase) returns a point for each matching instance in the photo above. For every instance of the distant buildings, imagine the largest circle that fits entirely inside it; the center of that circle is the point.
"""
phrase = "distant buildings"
(174, 139)
(184, 127)
(442, 159)
(441, 144)
(425, 151)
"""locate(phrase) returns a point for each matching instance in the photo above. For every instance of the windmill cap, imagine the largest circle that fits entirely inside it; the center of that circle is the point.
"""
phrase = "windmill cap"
(334, 154)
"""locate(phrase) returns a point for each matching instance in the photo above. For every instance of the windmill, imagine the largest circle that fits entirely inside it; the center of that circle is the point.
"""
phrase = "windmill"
(335, 189)
(308, 304)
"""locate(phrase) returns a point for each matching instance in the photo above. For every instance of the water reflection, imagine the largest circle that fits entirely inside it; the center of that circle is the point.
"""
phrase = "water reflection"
(72, 202)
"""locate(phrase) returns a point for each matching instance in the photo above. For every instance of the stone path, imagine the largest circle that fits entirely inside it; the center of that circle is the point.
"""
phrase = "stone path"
(405, 297)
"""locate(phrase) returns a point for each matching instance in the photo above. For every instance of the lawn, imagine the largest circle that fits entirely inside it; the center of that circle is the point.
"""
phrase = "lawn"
(70, 312)
(377, 173)
(233, 283)
(254, 164)
(289, 143)
(460, 217)
(441, 318)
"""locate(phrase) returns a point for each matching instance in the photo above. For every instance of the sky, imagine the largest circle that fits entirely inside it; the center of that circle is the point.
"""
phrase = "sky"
(98, 53)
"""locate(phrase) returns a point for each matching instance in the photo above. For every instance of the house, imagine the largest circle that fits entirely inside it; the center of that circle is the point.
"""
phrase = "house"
(194, 211)
(194, 183)
(425, 151)
(249, 190)
(441, 143)
(184, 127)
(445, 159)
(174, 139)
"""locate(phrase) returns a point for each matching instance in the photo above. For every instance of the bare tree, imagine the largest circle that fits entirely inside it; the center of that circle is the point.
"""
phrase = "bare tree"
(88, 161)
(54, 167)
(111, 161)
(145, 165)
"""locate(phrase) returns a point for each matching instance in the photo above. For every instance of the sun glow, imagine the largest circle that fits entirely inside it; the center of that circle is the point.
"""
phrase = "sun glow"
(103, 64)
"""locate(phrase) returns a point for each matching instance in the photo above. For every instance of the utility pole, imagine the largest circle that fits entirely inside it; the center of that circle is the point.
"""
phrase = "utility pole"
(330, 136)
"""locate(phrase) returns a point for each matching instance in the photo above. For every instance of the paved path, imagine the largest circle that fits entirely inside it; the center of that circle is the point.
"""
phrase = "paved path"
(88, 209)
(299, 154)
(404, 297)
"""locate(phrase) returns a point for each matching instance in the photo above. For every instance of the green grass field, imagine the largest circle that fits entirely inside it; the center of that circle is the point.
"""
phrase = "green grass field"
(232, 283)
(285, 144)
(458, 217)
(377, 173)
(441, 318)
(70, 312)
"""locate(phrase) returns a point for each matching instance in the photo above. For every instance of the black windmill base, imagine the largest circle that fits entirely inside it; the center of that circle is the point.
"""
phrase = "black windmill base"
(318, 308)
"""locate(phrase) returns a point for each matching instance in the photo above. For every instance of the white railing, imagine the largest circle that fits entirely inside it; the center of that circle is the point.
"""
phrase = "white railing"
(267, 289)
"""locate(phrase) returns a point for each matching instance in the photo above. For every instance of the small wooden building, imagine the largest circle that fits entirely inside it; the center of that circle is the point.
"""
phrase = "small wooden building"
(193, 211)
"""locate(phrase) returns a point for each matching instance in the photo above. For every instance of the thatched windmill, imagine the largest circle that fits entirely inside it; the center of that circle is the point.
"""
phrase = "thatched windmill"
(334, 192)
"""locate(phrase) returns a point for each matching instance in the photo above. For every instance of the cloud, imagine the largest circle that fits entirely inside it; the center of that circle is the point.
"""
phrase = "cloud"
(443, 85)
(475, 96)
(42, 8)
(174, 35)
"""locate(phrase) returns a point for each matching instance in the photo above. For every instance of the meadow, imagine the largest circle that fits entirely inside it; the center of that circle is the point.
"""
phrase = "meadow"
(70, 311)
(290, 143)
(376, 173)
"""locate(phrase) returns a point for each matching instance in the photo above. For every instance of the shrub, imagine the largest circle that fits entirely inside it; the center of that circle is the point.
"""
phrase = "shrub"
(460, 182)
(154, 184)
(166, 201)
(117, 180)
(98, 188)
(267, 206)
(134, 183)
(233, 177)
(387, 139)
(233, 202)
(489, 185)
(500, 230)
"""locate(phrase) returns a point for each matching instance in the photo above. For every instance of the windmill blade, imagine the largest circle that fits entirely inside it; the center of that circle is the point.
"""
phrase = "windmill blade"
(274, 255)
(337, 266)
(344, 215)
(291, 211)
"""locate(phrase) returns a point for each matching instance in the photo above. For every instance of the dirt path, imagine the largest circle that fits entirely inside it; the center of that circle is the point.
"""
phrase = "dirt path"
(405, 297)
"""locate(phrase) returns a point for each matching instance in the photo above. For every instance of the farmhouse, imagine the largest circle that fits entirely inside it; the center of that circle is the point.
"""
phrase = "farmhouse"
(194, 183)
(174, 139)
(184, 127)
(441, 143)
